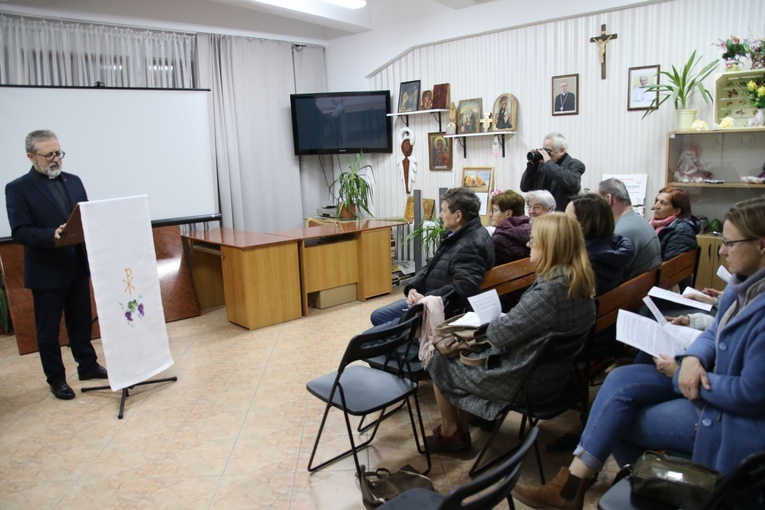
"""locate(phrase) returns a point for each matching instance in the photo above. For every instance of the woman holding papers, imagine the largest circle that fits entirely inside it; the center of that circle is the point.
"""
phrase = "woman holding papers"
(559, 303)
(713, 406)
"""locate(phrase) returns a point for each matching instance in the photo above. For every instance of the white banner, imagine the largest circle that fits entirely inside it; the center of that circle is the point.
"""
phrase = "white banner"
(123, 269)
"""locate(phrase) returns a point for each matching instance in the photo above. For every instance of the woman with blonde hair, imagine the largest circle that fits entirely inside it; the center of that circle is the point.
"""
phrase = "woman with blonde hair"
(558, 304)
(711, 406)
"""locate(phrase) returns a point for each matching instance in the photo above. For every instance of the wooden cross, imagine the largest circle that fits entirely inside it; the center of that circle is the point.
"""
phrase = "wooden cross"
(602, 40)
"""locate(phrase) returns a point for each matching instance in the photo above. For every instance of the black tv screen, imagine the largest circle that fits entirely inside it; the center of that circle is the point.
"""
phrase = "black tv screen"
(341, 122)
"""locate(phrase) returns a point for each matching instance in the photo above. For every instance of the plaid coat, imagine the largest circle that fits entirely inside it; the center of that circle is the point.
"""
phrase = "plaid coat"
(543, 311)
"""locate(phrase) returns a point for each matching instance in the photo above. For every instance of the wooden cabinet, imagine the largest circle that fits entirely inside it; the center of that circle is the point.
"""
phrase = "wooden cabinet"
(709, 260)
(728, 154)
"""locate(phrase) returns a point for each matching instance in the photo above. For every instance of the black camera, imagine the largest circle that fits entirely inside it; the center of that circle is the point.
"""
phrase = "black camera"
(535, 156)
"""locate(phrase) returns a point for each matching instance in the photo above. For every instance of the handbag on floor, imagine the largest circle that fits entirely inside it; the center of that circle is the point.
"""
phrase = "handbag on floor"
(672, 480)
(453, 341)
(381, 485)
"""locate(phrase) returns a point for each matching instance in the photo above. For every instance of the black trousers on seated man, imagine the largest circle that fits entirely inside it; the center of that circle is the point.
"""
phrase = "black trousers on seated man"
(74, 302)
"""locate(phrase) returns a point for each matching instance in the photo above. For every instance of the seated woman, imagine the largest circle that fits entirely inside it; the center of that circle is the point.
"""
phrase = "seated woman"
(558, 303)
(511, 227)
(673, 222)
(609, 253)
(539, 203)
(711, 406)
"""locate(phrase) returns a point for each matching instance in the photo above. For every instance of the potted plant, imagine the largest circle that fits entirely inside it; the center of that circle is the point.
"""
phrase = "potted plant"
(354, 191)
(431, 234)
(682, 85)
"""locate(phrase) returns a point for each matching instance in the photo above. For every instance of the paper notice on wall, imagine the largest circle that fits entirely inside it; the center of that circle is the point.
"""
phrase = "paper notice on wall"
(123, 269)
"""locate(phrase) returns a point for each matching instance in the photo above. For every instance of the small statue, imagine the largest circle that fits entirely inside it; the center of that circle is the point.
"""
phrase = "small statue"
(486, 122)
(689, 165)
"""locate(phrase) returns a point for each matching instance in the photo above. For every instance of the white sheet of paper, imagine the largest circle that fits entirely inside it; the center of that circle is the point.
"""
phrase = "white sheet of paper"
(724, 274)
(655, 311)
(660, 293)
(486, 308)
(646, 334)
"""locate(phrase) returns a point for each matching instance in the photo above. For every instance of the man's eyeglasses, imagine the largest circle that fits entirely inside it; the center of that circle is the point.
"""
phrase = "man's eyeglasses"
(53, 155)
(728, 244)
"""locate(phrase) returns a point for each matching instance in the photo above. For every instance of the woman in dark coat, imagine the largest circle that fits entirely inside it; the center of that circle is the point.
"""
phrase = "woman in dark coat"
(512, 228)
(673, 222)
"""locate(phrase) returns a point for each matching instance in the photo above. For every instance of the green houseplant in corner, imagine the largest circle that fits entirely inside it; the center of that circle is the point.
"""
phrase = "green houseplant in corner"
(431, 233)
(682, 85)
(354, 191)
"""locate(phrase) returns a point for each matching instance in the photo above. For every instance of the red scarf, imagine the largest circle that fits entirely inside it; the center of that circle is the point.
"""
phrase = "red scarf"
(660, 224)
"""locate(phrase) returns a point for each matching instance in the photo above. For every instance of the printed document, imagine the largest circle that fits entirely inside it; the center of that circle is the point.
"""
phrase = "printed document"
(660, 293)
(650, 336)
(486, 307)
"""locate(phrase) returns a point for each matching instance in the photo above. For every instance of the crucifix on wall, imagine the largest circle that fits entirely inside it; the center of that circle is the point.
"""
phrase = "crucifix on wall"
(602, 39)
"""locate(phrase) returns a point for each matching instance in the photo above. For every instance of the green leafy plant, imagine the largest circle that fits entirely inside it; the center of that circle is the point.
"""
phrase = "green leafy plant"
(354, 191)
(683, 84)
(431, 233)
(733, 48)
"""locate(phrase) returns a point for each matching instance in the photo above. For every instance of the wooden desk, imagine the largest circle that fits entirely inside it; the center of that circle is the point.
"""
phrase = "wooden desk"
(259, 272)
(344, 253)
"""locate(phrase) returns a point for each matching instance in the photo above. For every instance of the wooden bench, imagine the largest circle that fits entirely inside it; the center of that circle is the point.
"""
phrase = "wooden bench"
(678, 268)
(510, 277)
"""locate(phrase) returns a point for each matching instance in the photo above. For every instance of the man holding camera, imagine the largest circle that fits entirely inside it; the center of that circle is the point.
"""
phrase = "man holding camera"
(553, 169)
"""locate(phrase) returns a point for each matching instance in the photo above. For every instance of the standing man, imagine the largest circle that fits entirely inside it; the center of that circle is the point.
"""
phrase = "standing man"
(39, 204)
(565, 101)
(630, 225)
(459, 264)
(553, 169)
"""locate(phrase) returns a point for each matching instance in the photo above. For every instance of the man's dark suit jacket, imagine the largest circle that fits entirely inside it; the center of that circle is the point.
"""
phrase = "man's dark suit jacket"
(34, 215)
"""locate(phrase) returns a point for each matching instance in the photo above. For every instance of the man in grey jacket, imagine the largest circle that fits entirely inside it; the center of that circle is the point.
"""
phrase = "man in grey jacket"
(459, 264)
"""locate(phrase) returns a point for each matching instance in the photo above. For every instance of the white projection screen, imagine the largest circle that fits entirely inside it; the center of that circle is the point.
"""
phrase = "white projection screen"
(121, 142)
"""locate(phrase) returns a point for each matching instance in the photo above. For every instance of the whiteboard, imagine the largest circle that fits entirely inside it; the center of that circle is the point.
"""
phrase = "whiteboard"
(121, 142)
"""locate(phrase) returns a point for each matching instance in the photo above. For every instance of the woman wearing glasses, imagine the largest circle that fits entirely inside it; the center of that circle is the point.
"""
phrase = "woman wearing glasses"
(558, 303)
(712, 406)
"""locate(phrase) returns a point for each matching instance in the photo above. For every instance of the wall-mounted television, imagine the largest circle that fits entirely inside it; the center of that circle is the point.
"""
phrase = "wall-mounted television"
(341, 122)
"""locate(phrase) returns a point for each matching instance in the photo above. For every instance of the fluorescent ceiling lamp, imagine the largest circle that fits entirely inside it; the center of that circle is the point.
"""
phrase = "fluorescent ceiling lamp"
(350, 4)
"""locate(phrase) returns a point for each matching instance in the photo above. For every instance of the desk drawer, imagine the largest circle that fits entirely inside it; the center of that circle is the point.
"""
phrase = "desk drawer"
(330, 265)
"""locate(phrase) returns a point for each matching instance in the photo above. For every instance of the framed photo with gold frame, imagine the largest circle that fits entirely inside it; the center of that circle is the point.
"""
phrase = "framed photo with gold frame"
(480, 179)
(440, 151)
(638, 80)
(504, 113)
(409, 96)
(469, 113)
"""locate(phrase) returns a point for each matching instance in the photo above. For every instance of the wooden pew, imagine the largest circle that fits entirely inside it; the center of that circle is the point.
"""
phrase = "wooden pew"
(509, 277)
(677, 269)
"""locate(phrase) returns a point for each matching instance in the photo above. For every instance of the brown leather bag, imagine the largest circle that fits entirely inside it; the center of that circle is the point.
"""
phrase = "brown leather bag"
(380, 485)
(453, 341)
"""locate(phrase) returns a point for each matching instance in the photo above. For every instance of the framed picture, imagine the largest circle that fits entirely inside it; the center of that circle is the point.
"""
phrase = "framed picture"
(480, 179)
(468, 115)
(441, 96)
(427, 100)
(565, 94)
(638, 80)
(440, 151)
(504, 113)
(409, 96)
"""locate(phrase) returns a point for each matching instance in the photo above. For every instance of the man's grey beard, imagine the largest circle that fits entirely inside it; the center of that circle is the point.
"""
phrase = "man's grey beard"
(52, 173)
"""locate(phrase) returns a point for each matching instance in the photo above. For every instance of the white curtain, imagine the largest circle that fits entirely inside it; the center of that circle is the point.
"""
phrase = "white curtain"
(258, 173)
(42, 52)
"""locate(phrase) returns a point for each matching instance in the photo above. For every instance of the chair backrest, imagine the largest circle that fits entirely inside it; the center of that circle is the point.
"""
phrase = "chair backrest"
(503, 479)
(677, 269)
(377, 343)
(509, 277)
(747, 476)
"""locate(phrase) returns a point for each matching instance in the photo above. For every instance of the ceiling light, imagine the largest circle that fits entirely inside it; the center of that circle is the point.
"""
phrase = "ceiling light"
(349, 4)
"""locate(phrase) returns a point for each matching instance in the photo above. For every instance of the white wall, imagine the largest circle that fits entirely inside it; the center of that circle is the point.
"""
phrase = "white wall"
(521, 61)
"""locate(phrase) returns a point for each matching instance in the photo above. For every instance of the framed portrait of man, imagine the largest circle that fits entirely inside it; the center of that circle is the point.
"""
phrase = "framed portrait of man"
(638, 81)
(440, 151)
(409, 96)
(468, 114)
(565, 94)
(504, 113)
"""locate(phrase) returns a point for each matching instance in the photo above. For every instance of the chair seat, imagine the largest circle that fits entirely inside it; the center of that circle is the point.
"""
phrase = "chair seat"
(571, 396)
(373, 389)
(415, 499)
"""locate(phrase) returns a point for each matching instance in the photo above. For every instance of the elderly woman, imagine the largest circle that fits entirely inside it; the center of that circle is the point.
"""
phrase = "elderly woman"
(609, 253)
(512, 228)
(558, 303)
(673, 222)
(711, 406)
(539, 203)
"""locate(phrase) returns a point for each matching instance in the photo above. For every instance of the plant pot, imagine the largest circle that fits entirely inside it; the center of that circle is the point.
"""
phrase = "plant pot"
(684, 119)
(347, 213)
(732, 65)
(758, 119)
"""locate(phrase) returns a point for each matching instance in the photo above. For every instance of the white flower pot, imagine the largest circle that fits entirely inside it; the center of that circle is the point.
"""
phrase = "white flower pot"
(684, 119)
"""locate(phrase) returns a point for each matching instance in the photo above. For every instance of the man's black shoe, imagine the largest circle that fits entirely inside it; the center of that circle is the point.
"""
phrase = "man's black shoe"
(98, 373)
(62, 390)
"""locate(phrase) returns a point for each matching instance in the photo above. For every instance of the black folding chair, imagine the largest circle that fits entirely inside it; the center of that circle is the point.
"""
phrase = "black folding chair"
(486, 491)
(360, 390)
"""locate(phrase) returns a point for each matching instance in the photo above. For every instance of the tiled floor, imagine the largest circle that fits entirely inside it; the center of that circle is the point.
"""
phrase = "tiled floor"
(234, 432)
